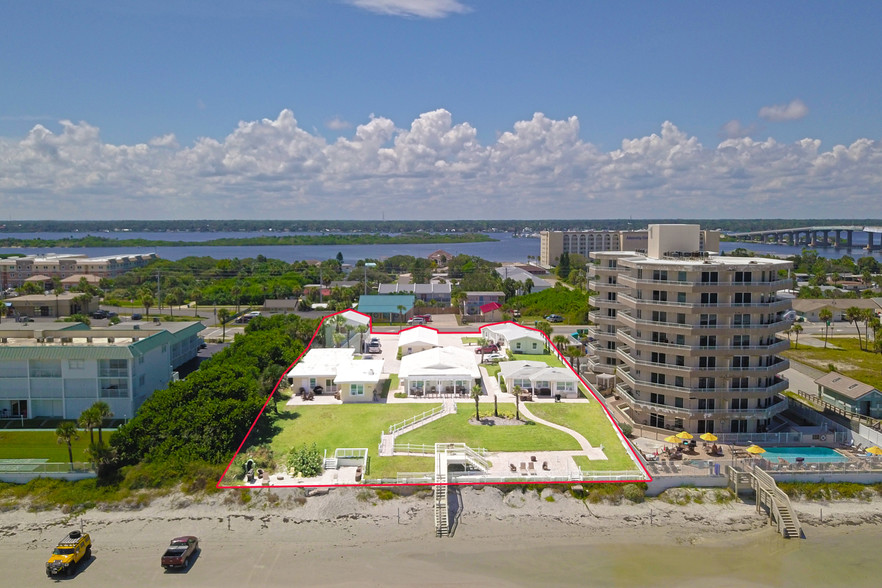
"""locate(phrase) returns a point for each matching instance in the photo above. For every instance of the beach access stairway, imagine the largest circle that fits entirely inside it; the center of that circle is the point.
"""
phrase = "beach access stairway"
(387, 440)
(770, 496)
(442, 507)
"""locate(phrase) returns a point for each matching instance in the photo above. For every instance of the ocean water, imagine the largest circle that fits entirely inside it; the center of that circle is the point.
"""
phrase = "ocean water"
(506, 249)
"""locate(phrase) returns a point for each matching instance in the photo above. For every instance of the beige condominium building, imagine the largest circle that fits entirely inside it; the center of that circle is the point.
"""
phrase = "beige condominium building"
(14, 271)
(691, 335)
(553, 243)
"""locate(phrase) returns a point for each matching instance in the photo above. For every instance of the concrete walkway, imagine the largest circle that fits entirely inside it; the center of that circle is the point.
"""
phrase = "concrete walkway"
(591, 452)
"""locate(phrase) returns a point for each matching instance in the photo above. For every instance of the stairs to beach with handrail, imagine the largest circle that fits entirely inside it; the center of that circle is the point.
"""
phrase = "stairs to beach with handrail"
(387, 440)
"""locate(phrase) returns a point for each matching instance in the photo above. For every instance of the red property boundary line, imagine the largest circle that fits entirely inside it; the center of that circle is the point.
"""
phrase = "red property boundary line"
(561, 356)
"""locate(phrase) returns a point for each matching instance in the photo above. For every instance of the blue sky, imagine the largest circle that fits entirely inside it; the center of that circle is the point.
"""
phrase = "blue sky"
(423, 108)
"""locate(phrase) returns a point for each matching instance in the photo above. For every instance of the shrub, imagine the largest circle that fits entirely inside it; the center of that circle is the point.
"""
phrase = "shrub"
(633, 493)
(306, 461)
(385, 494)
(401, 395)
(626, 429)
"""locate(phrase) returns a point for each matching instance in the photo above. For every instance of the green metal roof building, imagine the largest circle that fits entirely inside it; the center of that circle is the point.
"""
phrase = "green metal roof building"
(58, 372)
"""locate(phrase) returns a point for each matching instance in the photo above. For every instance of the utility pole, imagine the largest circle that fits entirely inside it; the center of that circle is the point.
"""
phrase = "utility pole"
(321, 285)
(158, 294)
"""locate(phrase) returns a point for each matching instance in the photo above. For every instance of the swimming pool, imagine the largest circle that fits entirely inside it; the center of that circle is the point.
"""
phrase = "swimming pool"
(809, 454)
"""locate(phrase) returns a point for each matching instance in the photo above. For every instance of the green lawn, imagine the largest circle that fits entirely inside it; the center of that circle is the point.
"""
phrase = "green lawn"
(470, 340)
(850, 360)
(591, 421)
(455, 428)
(548, 358)
(349, 425)
(43, 445)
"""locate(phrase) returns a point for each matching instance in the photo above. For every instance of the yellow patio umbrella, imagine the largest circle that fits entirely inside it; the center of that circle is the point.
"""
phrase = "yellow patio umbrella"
(709, 437)
(672, 439)
(755, 449)
(684, 435)
(874, 450)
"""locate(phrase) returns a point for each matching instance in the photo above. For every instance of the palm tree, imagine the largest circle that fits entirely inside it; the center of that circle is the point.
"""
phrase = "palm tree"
(797, 329)
(67, 433)
(339, 322)
(102, 410)
(826, 315)
(349, 329)
(789, 332)
(235, 293)
(517, 394)
(476, 396)
(195, 294)
(362, 330)
(459, 299)
(560, 341)
(147, 300)
(869, 314)
(223, 314)
(853, 314)
(338, 339)
(89, 420)
(546, 328)
(401, 309)
(170, 300)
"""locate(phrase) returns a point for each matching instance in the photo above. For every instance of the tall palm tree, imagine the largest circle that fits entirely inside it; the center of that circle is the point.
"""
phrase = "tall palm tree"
(147, 300)
(560, 341)
(797, 329)
(102, 410)
(362, 330)
(223, 314)
(517, 394)
(235, 294)
(476, 396)
(338, 339)
(826, 315)
(90, 420)
(853, 314)
(401, 310)
(67, 433)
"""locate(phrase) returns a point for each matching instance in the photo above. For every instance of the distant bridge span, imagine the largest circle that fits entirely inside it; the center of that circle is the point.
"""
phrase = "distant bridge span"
(842, 236)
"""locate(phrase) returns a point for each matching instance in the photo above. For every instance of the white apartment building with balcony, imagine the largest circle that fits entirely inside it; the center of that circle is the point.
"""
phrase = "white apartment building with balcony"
(693, 334)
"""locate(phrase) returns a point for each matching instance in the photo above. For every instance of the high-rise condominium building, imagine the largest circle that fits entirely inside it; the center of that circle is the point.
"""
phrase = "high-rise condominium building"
(691, 336)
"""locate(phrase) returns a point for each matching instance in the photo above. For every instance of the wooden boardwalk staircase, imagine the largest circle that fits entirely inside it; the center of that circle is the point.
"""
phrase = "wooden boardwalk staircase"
(442, 508)
(768, 496)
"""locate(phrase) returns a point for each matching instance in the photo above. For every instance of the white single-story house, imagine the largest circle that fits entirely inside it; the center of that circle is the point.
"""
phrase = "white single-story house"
(441, 370)
(357, 381)
(539, 378)
(417, 339)
(335, 370)
(517, 338)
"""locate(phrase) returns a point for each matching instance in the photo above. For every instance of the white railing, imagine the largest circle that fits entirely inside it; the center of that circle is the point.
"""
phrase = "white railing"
(415, 419)
(413, 448)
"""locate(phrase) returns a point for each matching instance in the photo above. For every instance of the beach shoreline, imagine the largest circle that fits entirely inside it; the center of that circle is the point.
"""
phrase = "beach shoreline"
(339, 539)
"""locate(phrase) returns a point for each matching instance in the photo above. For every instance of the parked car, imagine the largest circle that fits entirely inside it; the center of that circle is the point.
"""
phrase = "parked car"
(374, 348)
(426, 317)
(100, 314)
(492, 348)
(493, 358)
(74, 548)
(136, 316)
(417, 320)
(554, 318)
(179, 552)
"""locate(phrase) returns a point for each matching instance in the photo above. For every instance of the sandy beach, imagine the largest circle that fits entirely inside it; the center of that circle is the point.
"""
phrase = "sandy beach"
(516, 539)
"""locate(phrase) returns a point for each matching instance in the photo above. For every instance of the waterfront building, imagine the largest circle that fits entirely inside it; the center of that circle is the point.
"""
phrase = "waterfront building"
(14, 271)
(59, 370)
(694, 334)
(554, 243)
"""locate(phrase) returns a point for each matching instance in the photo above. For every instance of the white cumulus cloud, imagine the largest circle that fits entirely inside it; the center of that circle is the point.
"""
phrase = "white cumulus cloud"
(794, 110)
(338, 124)
(433, 167)
(413, 8)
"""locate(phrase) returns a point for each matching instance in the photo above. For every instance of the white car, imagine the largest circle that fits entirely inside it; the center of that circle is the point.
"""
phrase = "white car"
(493, 358)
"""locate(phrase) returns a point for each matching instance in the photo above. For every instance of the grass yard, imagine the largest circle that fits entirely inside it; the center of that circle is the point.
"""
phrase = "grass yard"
(591, 421)
(43, 445)
(548, 358)
(348, 425)
(850, 360)
(455, 428)
(470, 340)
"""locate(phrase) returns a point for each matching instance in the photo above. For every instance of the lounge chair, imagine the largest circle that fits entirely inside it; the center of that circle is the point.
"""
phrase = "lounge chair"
(533, 458)
(523, 468)
(545, 466)
(513, 467)
(531, 467)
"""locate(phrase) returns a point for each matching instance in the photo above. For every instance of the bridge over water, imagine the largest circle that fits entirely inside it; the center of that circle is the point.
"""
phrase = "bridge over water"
(830, 236)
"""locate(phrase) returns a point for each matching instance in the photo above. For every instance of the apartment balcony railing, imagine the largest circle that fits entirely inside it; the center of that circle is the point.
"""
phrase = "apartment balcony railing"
(771, 306)
(773, 285)
(627, 393)
(624, 373)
